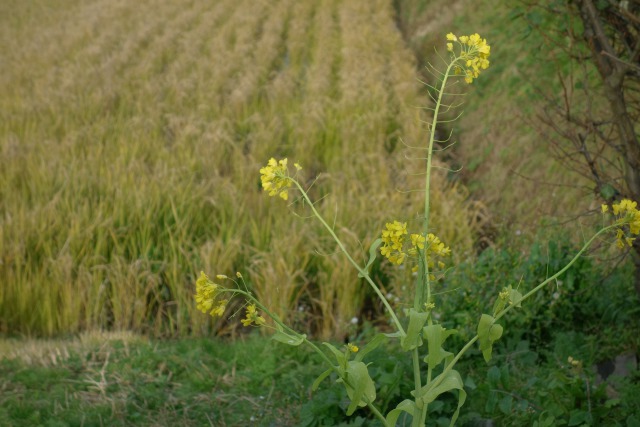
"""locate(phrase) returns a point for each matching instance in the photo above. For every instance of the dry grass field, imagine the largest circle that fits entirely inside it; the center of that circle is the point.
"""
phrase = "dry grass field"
(131, 134)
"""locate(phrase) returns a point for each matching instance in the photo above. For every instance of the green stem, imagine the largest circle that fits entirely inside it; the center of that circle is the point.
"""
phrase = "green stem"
(432, 136)
(424, 283)
(559, 273)
(362, 271)
(416, 369)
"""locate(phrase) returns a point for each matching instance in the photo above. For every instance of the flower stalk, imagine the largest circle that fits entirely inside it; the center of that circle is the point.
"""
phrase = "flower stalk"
(426, 254)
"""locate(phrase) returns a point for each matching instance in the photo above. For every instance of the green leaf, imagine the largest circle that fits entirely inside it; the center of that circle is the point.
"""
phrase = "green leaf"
(505, 377)
(492, 400)
(360, 387)
(285, 338)
(611, 403)
(407, 406)
(578, 417)
(371, 345)
(488, 333)
(417, 320)
(470, 383)
(373, 252)
(395, 334)
(505, 405)
(549, 421)
(498, 306)
(633, 421)
(321, 378)
(515, 297)
(493, 375)
(607, 192)
(340, 357)
(436, 336)
(450, 381)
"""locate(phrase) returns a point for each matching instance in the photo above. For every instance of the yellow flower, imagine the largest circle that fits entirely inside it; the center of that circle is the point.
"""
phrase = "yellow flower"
(397, 258)
(206, 293)
(433, 249)
(619, 238)
(627, 213)
(393, 241)
(275, 178)
(634, 225)
(418, 240)
(221, 277)
(428, 306)
(474, 54)
(220, 308)
(253, 316)
(624, 207)
(352, 348)
(604, 208)
(573, 362)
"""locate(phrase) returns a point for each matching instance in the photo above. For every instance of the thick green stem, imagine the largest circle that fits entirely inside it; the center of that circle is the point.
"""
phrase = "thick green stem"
(362, 271)
(416, 369)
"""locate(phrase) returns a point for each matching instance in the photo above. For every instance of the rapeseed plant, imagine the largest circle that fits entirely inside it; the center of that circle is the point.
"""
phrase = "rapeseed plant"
(426, 252)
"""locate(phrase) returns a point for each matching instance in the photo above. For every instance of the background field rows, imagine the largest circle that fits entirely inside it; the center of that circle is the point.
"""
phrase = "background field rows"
(131, 135)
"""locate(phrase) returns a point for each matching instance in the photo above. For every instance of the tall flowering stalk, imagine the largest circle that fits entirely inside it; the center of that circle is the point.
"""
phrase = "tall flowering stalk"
(427, 255)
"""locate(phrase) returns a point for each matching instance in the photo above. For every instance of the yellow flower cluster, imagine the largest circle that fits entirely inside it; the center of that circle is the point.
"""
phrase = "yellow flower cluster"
(434, 249)
(275, 177)
(206, 294)
(393, 240)
(627, 213)
(253, 316)
(352, 348)
(474, 53)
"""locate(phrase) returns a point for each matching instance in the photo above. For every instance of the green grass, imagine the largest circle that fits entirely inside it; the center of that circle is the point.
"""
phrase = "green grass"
(123, 382)
(126, 380)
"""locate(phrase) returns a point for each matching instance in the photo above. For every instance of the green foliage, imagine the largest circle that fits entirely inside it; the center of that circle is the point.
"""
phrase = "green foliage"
(186, 382)
(588, 314)
(388, 369)
(590, 297)
(488, 332)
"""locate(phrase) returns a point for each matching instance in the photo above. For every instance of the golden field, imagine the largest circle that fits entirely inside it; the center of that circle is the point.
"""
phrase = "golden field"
(131, 135)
